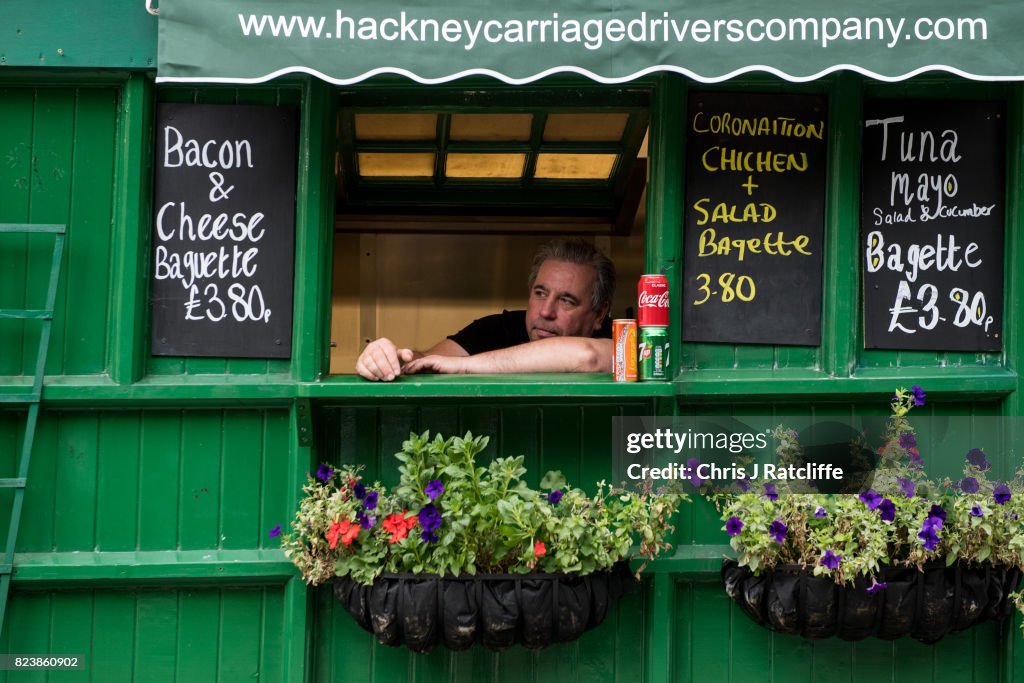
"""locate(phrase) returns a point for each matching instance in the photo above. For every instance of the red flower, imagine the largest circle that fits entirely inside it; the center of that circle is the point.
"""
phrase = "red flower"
(539, 549)
(345, 529)
(332, 535)
(398, 525)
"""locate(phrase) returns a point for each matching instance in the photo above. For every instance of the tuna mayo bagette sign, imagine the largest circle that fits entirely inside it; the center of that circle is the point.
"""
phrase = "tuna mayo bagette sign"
(610, 41)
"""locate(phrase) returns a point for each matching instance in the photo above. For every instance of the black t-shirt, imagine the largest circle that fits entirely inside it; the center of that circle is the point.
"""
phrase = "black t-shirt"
(502, 330)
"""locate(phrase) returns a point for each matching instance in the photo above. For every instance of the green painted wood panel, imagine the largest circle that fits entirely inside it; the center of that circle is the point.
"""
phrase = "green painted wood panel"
(123, 481)
(187, 635)
(57, 163)
(717, 642)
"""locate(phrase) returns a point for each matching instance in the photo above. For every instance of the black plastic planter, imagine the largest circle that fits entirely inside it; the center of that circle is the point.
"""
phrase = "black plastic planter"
(925, 605)
(498, 611)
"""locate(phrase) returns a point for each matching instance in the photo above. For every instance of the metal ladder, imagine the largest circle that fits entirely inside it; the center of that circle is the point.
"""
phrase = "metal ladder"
(30, 399)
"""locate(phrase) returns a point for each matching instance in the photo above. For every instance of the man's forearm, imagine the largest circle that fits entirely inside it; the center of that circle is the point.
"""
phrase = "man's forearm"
(555, 354)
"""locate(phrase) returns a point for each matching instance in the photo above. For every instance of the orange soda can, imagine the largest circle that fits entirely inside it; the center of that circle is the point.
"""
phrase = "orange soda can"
(624, 344)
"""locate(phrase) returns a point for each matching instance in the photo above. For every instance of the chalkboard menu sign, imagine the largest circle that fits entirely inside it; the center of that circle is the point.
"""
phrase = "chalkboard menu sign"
(932, 224)
(224, 230)
(754, 219)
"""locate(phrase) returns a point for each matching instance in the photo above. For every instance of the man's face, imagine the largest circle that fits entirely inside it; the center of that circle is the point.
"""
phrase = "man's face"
(560, 302)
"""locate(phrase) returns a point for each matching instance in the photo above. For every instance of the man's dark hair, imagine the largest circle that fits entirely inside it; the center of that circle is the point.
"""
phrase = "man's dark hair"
(584, 254)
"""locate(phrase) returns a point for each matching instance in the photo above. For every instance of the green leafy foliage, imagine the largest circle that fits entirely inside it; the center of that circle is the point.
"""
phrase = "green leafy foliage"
(450, 516)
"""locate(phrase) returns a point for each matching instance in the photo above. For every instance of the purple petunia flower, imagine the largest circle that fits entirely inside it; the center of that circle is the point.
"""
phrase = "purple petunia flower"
(324, 473)
(275, 532)
(915, 458)
(876, 586)
(734, 526)
(937, 511)
(434, 489)
(430, 518)
(887, 509)
(908, 440)
(429, 537)
(931, 524)
(976, 457)
(359, 491)
(830, 560)
(769, 491)
(976, 511)
(1001, 494)
(370, 501)
(743, 485)
(969, 485)
(821, 512)
(366, 521)
(918, 396)
(906, 486)
(871, 498)
(930, 538)
(555, 496)
(778, 531)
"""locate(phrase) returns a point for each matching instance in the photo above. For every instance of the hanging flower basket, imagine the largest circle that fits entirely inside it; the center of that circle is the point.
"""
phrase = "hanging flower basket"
(925, 605)
(457, 553)
(498, 611)
(909, 556)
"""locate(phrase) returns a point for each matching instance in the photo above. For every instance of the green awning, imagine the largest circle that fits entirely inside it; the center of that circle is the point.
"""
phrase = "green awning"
(609, 41)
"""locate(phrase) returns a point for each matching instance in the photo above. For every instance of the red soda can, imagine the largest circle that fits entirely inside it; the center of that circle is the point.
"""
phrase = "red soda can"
(624, 335)
(652, 301)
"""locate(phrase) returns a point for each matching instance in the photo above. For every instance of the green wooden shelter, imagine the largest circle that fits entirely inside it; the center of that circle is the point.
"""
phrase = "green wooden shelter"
(142, 541)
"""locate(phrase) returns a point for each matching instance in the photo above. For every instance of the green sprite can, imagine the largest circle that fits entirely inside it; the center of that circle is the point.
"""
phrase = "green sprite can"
(652, 356)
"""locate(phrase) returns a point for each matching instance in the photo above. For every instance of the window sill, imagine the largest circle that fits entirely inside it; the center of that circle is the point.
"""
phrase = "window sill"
(553, 385)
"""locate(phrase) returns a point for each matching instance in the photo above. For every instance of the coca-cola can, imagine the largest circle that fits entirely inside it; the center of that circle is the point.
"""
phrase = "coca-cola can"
(652, 301)
(624, 333)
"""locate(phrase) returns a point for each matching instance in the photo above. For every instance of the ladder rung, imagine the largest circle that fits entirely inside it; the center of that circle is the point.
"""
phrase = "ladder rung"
(31, 228)
(5, 568)
(15, 483)
(26, 313)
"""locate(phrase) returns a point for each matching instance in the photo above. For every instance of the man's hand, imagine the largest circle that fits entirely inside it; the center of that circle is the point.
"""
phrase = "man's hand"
(381, 360)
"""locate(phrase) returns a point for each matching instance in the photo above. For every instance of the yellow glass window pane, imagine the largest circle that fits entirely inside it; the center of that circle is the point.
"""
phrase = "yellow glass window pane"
(575, 166)
(491, 127)
(465, 165)
(585, 127)
(396, 126)
(396, 164)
